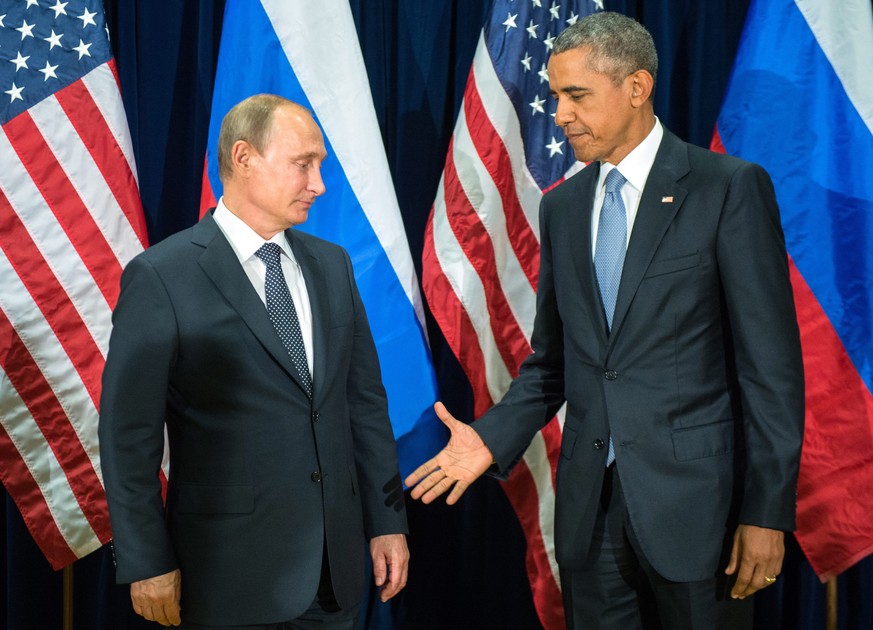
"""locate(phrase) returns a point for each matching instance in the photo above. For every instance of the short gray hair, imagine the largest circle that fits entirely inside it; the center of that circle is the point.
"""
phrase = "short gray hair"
(250, 120)
(618, 45)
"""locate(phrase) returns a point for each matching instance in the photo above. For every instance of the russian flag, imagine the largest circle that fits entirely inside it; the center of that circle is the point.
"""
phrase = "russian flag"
(309, 52)
(800, 103)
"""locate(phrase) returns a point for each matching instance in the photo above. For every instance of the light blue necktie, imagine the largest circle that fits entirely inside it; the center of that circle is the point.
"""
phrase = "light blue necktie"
(280, 306)
(609, 253)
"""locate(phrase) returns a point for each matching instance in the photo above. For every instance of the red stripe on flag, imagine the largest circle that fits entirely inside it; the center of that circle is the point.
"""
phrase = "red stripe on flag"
(552, 436)
(71, 213)
(207, 196)
(27, 496)
(454, 322)
(495, 158)
(113, 67)
(522, 493)
(51, 299)
(27, 379)
(476, 244)
(85, 116)
(834, 498)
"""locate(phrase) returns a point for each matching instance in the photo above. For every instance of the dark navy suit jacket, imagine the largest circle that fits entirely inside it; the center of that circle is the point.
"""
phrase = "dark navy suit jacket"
(260, 476)
(700, 381)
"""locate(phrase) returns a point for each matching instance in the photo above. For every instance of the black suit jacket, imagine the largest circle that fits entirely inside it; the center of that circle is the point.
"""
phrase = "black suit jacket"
(260, 476)
(700, 381)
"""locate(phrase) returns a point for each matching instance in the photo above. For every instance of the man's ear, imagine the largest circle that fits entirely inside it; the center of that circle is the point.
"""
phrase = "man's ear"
(642, 84)
(241, 156)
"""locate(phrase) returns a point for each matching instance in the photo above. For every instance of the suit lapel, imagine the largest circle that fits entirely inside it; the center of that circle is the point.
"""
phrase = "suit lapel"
(661, 200)
(221, 264)
(319, 302)
(579, 224)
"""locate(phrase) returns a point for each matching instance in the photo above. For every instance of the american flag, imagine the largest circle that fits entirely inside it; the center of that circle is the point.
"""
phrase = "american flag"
(70, 219)
(481, 252)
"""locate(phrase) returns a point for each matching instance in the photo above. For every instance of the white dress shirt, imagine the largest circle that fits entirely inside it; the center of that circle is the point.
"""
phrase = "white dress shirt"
(245, 242)
(635, 168)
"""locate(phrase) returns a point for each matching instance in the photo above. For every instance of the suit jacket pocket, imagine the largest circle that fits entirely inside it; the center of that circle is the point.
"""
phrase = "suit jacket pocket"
(205, 498)
(708, 440)
(672, 265)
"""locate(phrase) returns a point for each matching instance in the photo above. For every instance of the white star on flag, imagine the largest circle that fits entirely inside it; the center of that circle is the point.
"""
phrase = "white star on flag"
(87, 18)
(544, 74)
(572, 19)
(555, 147)
(526, 62)
(26, 30)
(555, 11)
(532, 30)
(548, 41)
(14, 93)
(54, 39)
(49, 71)
(510, 21)
(82, 49)
(537, 105)
(20, 62)
(59, 8)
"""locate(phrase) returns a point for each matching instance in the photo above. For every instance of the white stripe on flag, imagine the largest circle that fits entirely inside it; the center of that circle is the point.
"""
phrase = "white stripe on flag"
(100, 82)
(537, 460)
(58, 253)
(483, 195)
(845, 34)
(324, 52)
(47, 473)
(48, 353)
(471, 294)
(502, 115)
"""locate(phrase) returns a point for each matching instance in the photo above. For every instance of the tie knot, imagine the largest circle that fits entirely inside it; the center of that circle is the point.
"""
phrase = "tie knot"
(269, 253)
(614, 181)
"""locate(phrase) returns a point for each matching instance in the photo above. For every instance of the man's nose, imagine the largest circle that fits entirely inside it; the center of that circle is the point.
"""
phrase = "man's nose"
(563, 113)
(316, 183)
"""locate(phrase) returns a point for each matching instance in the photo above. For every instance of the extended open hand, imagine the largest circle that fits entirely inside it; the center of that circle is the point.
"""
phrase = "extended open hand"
(454, 468)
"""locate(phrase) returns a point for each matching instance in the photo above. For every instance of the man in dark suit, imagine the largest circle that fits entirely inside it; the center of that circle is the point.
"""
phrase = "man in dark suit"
(248, 341)
(665, 320)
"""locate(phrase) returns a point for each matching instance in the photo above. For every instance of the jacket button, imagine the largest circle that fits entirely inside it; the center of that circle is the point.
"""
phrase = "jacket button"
(316, 476)
(598, 444)
(315, 416)
(610, 375)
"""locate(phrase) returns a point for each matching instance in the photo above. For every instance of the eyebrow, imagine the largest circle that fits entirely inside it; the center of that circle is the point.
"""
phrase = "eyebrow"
(310, 155)
(571, 89)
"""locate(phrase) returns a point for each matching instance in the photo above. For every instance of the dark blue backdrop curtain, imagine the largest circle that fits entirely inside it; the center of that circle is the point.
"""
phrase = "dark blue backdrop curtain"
(467, 566)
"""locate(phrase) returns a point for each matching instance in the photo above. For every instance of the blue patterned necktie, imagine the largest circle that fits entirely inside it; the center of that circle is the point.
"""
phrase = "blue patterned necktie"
(280, 306)
(609, 253)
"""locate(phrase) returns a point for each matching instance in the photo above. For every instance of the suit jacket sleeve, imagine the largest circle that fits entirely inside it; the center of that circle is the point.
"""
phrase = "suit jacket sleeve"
(753, 266)
(537, 392)
(374, 446)
(142, 350)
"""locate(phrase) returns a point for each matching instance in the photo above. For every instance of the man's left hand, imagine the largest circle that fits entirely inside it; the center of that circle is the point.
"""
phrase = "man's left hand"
(756, 558)
(390, 564)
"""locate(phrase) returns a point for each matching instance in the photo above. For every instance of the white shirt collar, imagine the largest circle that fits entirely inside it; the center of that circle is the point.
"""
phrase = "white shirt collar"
(243, 239)
(636, 165)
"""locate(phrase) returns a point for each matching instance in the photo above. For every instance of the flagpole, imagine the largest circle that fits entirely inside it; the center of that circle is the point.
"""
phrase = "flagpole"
(68, 597)
(831, 604)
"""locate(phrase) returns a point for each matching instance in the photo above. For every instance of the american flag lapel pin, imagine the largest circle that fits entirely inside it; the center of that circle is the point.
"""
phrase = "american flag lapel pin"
(667, 199)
